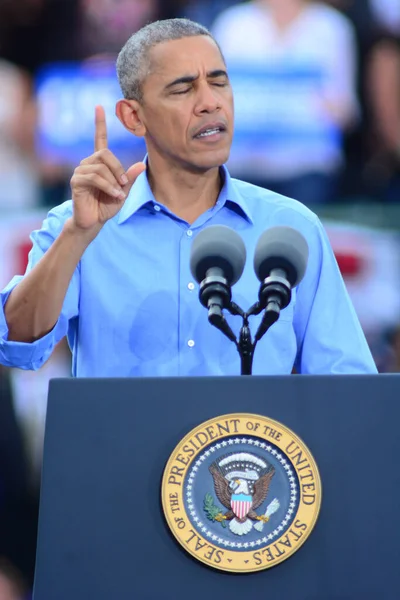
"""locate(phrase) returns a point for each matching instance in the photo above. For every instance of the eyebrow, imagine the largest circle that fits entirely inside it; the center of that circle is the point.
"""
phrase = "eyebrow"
(192, 78)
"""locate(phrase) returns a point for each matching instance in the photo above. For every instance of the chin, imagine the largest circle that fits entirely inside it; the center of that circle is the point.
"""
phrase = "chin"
(211, 160)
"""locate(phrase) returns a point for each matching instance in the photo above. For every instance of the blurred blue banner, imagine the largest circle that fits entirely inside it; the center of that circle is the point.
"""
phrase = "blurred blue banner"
(67, 95)
(278, 113)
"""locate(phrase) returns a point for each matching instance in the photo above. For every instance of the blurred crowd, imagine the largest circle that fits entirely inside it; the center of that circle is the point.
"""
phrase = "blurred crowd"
(331, 123)
(332, 116)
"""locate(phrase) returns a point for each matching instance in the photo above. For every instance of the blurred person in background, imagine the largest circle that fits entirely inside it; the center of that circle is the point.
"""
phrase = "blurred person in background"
(104, 25)
(12, 583)
(373, 146)
(307, 50)
(206, 11)
(18, 504)
(29, 391)
(19, 181)
(107, 24)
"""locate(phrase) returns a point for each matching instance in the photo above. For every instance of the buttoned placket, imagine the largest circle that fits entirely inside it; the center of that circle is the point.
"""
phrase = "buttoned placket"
(188, 296)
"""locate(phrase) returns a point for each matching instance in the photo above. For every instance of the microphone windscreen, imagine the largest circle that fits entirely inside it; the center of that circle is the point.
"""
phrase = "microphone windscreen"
(281, 248)
(218, 246)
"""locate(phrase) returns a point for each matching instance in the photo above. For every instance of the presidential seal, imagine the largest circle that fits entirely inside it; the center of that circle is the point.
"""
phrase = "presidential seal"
(241, 493)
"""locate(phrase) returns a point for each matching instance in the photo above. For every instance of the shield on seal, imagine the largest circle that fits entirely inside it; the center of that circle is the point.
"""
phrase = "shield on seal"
(241, 504)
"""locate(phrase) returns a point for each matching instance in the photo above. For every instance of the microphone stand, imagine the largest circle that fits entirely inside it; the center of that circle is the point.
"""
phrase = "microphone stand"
(246, 348)
(215, 295)
(244, 345)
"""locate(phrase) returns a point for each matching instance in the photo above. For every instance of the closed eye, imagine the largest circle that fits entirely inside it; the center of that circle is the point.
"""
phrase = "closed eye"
(215, 84)
(181, 92)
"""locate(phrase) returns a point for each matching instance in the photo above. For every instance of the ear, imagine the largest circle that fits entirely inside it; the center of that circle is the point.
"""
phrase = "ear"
(128, 112)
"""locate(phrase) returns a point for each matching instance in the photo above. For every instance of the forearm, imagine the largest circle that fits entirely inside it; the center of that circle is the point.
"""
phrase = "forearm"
(35, 304)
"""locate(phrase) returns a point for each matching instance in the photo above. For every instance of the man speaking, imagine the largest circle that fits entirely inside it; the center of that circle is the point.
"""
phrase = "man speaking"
(111, 268)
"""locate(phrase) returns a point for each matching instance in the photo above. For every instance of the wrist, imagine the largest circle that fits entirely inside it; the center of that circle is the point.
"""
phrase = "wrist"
(84, 235)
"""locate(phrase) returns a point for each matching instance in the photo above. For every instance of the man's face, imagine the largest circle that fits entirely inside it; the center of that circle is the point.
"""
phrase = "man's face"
(187, 106)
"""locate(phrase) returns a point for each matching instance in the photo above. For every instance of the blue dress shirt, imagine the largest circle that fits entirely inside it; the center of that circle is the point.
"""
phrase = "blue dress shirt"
(132, 307)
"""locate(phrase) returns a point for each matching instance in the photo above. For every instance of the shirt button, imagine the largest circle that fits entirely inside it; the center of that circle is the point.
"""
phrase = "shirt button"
(191, 286)
(157, 208)
(189, 233)
(191, 343)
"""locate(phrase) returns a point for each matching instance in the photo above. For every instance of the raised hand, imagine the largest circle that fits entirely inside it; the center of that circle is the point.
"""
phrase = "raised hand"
(100, 184)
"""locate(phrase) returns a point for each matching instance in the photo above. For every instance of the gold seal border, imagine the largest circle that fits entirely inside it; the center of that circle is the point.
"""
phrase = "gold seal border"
(278, 550)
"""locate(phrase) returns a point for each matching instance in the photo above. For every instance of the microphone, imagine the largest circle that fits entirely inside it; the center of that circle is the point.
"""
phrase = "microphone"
(280, 262)
(217, 260)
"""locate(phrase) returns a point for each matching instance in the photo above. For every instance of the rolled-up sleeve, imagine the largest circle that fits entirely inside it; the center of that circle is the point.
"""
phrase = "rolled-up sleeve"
(33, 355)
(329, 335)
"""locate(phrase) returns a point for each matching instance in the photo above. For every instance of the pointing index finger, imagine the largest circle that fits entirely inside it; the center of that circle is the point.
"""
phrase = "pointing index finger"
(100, 136)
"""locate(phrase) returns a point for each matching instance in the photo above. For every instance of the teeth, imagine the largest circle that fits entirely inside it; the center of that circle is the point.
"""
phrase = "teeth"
(209, 132)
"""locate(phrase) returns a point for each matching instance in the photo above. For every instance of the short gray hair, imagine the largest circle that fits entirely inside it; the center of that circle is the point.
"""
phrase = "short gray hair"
(133, 60)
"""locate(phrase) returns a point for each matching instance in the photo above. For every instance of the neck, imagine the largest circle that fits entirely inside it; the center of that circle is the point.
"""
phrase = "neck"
(188, 195)
(284, 12)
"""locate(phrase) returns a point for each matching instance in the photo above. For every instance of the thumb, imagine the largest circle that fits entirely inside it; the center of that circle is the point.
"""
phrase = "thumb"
(133, 173)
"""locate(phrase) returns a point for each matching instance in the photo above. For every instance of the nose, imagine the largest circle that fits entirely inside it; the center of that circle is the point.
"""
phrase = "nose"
(207, 100)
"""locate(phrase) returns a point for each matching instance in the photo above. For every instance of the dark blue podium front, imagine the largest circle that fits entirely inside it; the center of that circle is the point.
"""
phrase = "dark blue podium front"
(102, 533)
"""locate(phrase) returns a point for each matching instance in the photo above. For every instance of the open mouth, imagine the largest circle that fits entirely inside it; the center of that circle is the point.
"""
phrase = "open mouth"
(208, 132)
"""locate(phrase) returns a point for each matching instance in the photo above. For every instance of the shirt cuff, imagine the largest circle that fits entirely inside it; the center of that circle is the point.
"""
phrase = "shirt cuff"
(23, 355)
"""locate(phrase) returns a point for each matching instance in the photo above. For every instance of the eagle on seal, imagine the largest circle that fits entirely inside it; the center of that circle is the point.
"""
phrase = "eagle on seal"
(241, 482)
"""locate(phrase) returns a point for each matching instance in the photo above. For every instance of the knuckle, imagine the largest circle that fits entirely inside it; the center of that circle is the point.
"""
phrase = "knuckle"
(93, 177)
(75, 177)
(103, 154)
(97, 168)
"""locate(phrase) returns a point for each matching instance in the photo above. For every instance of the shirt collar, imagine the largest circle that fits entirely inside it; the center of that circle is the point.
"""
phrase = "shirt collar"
(231, 197)
(141, 194)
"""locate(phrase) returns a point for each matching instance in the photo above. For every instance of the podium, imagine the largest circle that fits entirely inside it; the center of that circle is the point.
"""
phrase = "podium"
(102, 531)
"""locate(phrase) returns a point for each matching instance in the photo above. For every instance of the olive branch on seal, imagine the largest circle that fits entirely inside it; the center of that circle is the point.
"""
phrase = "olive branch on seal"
(212, 511)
